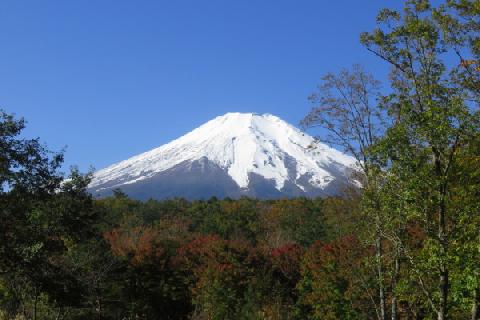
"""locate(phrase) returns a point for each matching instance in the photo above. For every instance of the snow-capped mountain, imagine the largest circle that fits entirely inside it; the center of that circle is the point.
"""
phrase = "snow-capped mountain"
(232, 155)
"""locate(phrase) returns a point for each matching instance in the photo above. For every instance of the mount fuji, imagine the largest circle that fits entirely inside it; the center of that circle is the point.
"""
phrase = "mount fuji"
(232, 155)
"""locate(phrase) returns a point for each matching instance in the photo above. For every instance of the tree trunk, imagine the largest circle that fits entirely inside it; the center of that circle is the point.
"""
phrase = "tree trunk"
(476, 305)
(396, 271)
(35, 305)
(442, 310)
(381, 286)
(98, 308)
(442, 238)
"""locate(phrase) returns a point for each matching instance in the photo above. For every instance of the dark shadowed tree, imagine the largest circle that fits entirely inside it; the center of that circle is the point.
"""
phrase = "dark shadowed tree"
(40, 217)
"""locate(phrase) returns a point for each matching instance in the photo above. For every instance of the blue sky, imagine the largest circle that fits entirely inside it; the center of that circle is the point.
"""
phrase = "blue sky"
(111, 79)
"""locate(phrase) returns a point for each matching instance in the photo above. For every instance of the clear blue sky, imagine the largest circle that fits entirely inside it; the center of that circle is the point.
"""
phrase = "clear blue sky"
(111, 79)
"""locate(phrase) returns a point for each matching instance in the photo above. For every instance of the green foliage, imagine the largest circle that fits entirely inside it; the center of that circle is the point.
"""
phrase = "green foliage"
(40, 219)
(436, 122)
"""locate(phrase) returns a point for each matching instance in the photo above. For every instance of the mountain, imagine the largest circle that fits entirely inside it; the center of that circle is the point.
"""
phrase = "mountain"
(232, 155)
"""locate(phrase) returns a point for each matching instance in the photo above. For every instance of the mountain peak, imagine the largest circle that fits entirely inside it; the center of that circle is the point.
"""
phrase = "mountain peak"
(246, 117)
(246, 148)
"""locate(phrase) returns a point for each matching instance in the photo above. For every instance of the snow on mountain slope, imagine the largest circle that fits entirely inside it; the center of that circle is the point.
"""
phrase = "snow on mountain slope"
(241, 144)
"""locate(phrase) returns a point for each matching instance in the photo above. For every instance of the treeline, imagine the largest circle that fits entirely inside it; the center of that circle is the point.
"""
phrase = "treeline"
(119, 258)
(226, 259)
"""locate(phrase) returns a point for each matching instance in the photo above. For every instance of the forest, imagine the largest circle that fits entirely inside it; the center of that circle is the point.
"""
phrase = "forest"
(402, 242)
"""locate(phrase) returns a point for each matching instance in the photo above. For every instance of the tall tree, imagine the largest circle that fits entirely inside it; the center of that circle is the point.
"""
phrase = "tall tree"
(435, 123)
(347, 106)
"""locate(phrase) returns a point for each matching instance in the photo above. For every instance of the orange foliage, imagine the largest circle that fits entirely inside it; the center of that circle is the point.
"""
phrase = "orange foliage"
(138, 244)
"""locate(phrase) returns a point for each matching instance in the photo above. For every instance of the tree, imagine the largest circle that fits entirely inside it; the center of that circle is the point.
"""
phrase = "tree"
(226, 278)
(335, 283)
(435, 123)
(153, 283)
(347, 106)
(40, 217)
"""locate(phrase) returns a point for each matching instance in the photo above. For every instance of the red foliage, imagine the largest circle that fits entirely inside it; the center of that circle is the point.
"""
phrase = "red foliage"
(139, 244)
(335, 281)
(287, 259)
(336, 259)
(328, 248)
(211, 251)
